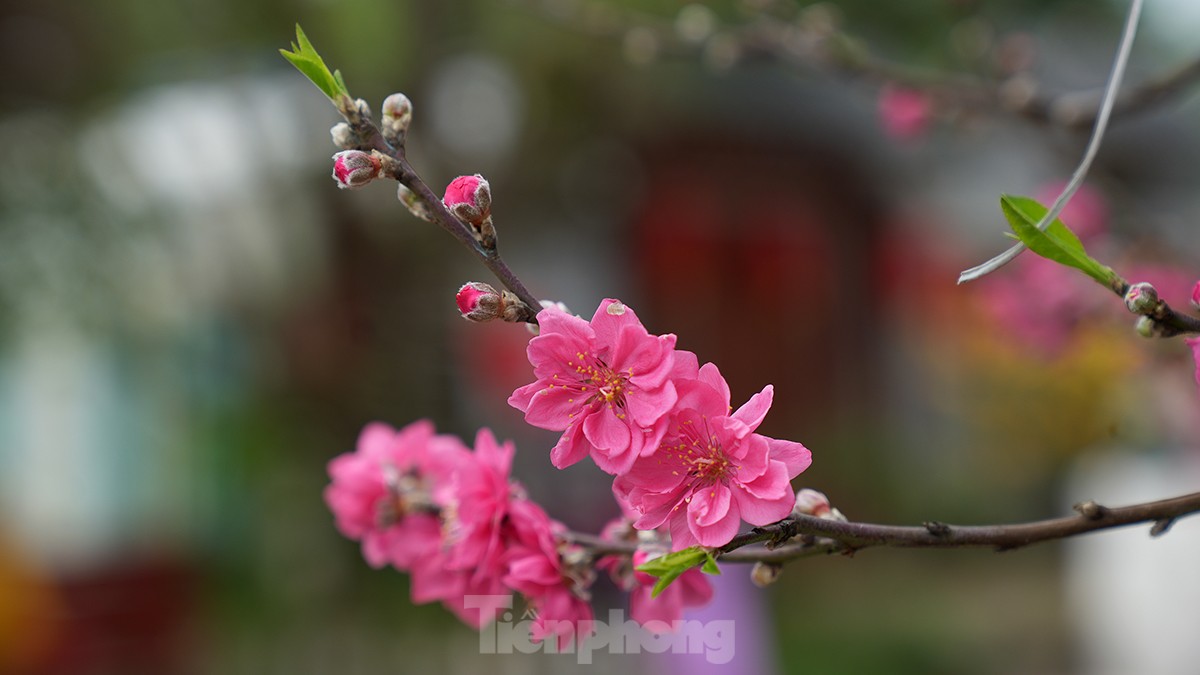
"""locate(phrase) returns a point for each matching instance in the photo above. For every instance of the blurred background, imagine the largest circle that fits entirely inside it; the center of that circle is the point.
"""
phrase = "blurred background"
(194, 320)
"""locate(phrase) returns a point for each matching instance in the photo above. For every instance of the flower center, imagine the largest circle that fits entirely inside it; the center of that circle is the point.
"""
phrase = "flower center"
(700, 452)
(608, 386)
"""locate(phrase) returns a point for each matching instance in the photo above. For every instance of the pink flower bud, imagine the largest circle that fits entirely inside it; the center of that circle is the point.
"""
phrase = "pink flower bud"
(469, 198)
(1141, 298)
(811, 503)
(479, 302)
(355, 168)
(1196, 295)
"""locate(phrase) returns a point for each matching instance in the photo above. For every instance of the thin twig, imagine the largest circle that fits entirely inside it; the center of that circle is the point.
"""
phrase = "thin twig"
(401, 170)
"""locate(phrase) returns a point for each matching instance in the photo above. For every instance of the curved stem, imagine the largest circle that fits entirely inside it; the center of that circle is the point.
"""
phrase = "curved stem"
(1106, 106)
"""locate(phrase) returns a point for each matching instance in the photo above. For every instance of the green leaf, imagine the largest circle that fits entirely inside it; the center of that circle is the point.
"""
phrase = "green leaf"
(306, 59)
(1057, 242)
(710, 564)
(668, 567)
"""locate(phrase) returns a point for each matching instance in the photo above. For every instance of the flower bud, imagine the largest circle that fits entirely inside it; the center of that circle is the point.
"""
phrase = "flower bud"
(413, 203)
(479, 302)
(355, 168)
(1145, 326)
(469, 198)
(1141, 298)
(362, 107)
(811, 503)
(397, 114)
(514, 310)
(343, 136)
(764, 574)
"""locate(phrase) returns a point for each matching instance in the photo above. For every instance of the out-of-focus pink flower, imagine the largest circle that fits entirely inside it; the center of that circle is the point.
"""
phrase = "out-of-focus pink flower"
(904, 113)
(381, 492)
(355, 168)
(1196, 295)
(1040, 302)
(475, 502)
(1194, 343)
(1087, 212)
(605, 384)
(555, 589)
(711, 470)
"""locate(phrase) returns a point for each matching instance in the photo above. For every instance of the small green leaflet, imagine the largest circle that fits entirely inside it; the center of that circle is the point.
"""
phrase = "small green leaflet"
(668, 567)
(308, 61)
(1057, 242)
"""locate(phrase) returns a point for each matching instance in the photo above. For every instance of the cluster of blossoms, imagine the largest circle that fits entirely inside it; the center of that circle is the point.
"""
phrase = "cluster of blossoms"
(688, 470)
(451, 517)
(651, 416)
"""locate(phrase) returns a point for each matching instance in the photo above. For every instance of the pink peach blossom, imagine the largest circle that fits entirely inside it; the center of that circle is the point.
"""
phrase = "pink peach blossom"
(381, 493)
(475, 502)
(556, 590)
(605, 384)
(712, 470)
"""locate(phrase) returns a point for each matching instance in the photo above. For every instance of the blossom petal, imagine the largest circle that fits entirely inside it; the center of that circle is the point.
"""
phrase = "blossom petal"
(376, 439)
(711, 376)
(709, 504)
(609, 319)
(797, 458)
(554, 354)
(712, 530)
(753, 411)
(766, 499)
(647, 407)
(571, 447)
(553, 407)
(555, 321)
(606, 432)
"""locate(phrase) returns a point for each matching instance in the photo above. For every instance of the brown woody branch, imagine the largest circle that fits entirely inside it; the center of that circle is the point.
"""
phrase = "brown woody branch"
(806, 536)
